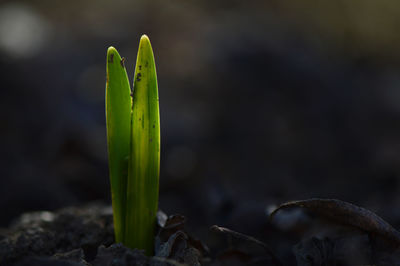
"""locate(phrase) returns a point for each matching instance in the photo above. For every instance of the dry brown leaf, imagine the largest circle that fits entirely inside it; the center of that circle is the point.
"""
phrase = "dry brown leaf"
(348, 214)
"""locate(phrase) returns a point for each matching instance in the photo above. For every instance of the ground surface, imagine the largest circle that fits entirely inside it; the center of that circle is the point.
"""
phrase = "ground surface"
(312, 232)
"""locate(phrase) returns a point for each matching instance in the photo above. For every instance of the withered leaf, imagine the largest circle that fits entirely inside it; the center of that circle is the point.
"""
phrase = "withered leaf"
(169, 226)
(174, 245)
(175, 222)
(347, 214)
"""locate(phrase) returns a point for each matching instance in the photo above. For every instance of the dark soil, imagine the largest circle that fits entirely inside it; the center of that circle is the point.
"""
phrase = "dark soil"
(311, 232)
(84, 236)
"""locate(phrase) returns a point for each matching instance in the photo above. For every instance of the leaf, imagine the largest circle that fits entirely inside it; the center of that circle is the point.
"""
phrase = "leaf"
(118, 117)
(144, 161)
(347, 214)
(173, 242)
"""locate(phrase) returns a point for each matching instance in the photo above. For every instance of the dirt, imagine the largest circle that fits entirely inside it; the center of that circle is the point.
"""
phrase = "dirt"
(84, 236)
(303, 233)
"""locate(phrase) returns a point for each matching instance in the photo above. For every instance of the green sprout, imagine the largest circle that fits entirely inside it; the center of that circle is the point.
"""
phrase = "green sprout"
(133, 138)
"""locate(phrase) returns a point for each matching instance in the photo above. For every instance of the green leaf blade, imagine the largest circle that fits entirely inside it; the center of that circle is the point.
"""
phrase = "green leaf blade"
(144, 162)
(118, 120)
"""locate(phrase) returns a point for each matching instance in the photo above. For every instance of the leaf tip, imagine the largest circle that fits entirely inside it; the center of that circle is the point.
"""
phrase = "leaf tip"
(144, 38)
(111, 52)
(144, 42)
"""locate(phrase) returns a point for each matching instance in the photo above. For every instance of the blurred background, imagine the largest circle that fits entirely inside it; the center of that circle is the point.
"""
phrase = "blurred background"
(261, 102)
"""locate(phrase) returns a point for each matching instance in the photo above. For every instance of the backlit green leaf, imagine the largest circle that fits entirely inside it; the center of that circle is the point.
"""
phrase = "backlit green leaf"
(118, 117)
(144, 161)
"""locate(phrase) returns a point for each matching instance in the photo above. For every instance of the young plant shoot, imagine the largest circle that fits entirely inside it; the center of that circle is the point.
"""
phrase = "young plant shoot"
(133, 135)
(118, 117)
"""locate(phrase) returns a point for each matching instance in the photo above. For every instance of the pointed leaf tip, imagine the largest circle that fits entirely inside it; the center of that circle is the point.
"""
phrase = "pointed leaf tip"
(144, 38)
(144, 42)
(111, 49)
(111, 53)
